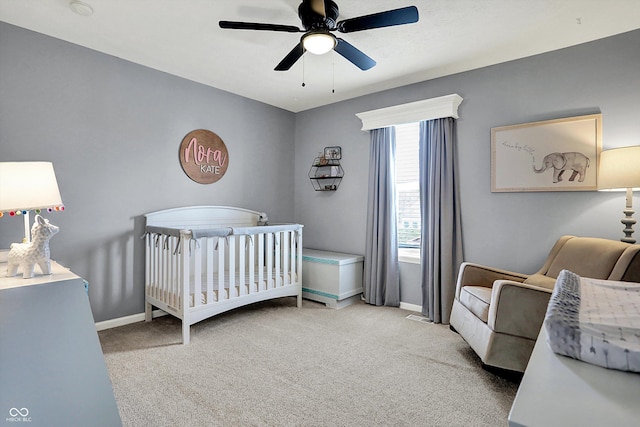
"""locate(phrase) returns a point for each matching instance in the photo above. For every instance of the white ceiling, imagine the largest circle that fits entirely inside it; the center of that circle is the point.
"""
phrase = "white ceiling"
(182, 37)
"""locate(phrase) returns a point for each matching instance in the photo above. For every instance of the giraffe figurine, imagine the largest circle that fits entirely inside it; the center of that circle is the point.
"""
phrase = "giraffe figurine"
(27, 255)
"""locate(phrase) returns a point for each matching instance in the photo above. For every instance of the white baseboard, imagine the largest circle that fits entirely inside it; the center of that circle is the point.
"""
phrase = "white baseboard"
(126, 320)
(410, 307)
(135, 318)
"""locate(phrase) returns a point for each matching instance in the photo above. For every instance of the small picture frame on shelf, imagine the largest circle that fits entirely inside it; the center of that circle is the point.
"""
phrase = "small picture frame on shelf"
(332, 153)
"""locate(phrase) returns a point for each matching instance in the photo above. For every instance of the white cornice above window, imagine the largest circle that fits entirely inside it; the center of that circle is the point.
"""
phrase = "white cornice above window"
(428, 109)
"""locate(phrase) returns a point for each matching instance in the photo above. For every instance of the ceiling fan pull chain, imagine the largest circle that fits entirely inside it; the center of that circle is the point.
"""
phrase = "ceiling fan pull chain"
(303, 84)
(333, 74)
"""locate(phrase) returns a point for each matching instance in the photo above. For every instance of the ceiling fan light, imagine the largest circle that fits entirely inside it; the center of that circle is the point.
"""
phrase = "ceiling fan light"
(319, 43)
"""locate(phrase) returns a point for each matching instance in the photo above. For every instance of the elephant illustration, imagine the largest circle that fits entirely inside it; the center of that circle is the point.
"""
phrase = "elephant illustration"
(560, 162)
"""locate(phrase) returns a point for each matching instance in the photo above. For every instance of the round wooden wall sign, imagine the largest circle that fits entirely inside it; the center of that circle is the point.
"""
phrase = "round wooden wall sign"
(203, 156)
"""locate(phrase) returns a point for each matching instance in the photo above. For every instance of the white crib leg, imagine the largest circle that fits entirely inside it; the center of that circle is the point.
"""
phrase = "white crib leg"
(185, 332)
(148, 314)
(299, 299)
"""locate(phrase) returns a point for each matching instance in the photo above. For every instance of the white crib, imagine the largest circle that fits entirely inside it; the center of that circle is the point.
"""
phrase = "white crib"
(204, 260)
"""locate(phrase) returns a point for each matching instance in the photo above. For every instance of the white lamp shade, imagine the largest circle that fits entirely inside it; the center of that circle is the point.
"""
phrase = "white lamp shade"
(619, 169)
(28, 186)
(319, 43)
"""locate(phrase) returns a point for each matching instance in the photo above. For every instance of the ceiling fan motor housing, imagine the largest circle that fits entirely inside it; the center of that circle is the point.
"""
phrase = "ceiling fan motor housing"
(314, 21)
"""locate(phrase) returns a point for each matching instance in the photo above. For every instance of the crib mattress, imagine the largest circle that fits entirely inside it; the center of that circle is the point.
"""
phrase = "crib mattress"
(596, 321)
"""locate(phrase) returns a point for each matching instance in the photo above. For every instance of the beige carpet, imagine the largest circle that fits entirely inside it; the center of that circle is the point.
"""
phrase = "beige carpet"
(272, 364)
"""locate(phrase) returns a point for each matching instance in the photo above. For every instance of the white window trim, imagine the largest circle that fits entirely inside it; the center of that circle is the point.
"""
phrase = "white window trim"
(409, 255)
(428, 109)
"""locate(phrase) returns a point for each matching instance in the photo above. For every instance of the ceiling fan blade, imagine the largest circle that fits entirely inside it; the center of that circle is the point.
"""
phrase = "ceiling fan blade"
(234, 25)
(291, 58)
(405, 15)
(318, 7)
(354, 55)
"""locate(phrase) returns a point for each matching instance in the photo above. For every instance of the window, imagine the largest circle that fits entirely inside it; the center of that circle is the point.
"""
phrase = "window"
(408, 185)
(407, 164)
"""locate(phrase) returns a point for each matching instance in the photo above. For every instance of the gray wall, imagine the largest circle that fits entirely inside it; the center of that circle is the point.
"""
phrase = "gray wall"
(112, 130)
(508, 230)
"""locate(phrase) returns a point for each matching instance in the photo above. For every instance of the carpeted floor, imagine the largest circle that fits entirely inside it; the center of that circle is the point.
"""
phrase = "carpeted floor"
(272, 364)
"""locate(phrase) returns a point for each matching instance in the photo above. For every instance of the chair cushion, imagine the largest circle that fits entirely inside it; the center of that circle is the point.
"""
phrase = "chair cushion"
(541, 280)
(477, 300)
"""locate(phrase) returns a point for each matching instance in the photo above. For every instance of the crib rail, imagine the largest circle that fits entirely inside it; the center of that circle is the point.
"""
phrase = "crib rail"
(190, 269)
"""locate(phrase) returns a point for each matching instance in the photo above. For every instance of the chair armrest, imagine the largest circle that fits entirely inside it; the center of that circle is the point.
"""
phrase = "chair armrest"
(517, 308)
(471, 274)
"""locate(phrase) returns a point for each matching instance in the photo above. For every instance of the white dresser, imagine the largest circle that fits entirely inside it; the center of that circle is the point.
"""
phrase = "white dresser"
(332, 278)
(52, 370)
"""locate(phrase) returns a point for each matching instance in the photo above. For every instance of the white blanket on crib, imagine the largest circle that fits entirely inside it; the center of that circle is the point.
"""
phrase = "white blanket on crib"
(596, 321)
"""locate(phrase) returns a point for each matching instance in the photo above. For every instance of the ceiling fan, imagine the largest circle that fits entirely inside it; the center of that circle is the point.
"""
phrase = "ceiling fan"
(319, 19)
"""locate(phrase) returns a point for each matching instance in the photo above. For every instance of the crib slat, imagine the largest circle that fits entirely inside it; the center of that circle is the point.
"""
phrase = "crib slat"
(163, 260)
(172, 274)
(168, 293)
(163, 266)
(209, 254)
(153, 268)
(277, 237)
(197, 274)
(285, 258)
(242, 265)
(158, 268)
(261, 281)
(232, 267)
(164, 269)
(252, 266)
(221, 292)
(269, 263)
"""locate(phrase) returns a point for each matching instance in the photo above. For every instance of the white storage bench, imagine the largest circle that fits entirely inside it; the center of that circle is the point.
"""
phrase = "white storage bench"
(332, 278)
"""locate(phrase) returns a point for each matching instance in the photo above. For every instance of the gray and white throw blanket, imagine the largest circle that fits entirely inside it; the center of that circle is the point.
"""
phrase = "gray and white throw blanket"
(596, 321)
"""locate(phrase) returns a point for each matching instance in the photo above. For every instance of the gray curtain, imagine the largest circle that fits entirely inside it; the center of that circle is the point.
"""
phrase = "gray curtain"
(441, 248)
(381, 275)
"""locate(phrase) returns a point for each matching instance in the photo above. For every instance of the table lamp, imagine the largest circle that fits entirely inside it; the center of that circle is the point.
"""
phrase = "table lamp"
(27, 186)
(620, 170)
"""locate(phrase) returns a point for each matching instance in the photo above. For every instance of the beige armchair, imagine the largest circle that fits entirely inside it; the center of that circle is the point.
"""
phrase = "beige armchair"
(499, 313)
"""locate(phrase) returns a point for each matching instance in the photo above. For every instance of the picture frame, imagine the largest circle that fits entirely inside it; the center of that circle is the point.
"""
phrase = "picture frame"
(551, 155)
(333, 153)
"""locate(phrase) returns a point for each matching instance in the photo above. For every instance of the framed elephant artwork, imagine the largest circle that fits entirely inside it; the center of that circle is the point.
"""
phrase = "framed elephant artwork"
(551, 155)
